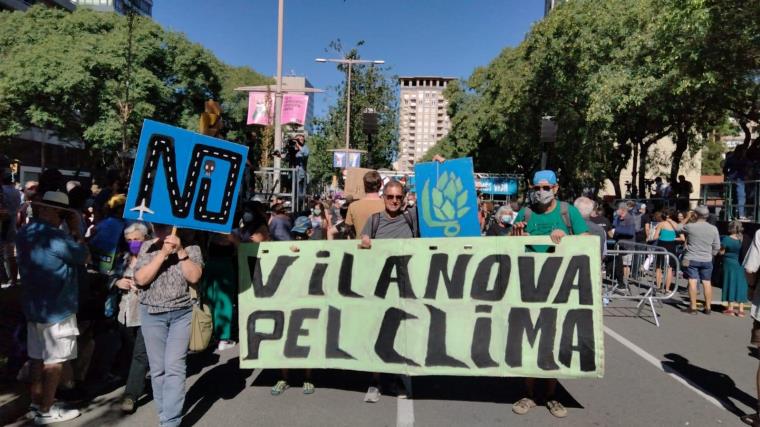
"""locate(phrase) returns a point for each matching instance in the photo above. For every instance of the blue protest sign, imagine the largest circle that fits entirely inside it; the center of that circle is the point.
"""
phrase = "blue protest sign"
(447, 200)
(185, 179)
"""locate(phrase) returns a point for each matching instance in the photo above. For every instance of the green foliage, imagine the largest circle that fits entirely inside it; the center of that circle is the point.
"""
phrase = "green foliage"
(371, 87)
(616, 76)
(67, 72)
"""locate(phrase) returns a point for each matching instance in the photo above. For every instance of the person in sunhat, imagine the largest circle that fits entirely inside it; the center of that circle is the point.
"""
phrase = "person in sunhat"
(48, 261)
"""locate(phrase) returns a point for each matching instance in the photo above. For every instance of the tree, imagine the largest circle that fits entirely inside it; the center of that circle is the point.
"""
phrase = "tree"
(66, 72)
(371, 87)
(616, 76)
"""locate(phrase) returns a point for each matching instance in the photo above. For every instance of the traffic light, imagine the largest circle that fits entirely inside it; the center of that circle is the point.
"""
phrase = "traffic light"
(211, 119)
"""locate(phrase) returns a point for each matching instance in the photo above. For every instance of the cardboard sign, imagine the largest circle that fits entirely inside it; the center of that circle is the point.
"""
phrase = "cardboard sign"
(467, 306)
(447, 200)
(355, 182)
(185, 179)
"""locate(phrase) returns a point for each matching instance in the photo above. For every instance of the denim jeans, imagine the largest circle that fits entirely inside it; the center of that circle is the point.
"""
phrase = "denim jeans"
(167, 336)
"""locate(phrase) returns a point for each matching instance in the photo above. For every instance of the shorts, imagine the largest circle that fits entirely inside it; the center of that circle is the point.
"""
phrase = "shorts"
(699, 270)
(755, 335)
(627, 260)
(53, 342)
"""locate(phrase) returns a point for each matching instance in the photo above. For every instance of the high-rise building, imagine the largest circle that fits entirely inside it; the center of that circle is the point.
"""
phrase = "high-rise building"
(422, 117)
(551, 4)
(140, 7)
(26, 4)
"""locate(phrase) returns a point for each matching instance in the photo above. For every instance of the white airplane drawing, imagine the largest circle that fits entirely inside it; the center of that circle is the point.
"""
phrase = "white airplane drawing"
(142, 209)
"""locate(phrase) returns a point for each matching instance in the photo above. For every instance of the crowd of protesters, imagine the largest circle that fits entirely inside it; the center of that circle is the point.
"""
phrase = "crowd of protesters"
(108, 301)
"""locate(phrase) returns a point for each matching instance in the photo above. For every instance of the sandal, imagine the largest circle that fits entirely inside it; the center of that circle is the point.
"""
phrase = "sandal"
(522, 406)
(740, 314)
(556, 409)
(729, 312)
(279, 388)
(308, 388)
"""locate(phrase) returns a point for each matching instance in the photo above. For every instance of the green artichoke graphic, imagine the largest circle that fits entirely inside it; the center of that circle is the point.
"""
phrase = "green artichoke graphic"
(447, 201)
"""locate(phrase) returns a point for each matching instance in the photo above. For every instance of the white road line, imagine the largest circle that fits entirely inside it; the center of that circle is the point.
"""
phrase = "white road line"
(405, 407)
(658, 364)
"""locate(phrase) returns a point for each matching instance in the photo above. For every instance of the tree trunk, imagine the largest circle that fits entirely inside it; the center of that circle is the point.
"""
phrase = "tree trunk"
(682, 143)
(635, 167)
(747, 132)
(643, 160)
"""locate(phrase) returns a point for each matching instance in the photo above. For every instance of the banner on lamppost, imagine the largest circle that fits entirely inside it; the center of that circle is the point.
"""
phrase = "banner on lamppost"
(294, 109)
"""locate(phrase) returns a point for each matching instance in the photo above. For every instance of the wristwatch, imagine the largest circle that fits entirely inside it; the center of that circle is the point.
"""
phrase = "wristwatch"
(186, 257)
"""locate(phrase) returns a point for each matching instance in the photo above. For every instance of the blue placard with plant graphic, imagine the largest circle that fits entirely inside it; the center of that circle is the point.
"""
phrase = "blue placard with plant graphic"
(446, 198)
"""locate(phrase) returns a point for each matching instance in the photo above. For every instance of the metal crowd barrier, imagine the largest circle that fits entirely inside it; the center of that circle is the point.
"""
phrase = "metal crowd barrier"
(631, 271)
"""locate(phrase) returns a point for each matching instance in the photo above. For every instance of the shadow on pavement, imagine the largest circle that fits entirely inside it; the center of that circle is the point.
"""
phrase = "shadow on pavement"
(468, 389)
(220, 382)
(482, 389)
(716, 384)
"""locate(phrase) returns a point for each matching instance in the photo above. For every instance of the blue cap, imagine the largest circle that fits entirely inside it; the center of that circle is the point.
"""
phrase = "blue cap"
(303, 224)
(545, 175)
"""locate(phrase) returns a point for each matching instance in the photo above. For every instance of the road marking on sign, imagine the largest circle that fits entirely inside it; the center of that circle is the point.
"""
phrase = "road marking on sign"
(405, 407)
(664, 368)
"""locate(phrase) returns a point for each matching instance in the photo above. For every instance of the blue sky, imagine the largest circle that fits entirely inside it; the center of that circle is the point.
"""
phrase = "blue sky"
(414, 37)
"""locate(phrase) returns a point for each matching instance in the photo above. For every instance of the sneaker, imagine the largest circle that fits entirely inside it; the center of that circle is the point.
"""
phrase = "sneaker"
(279, 388)
(127, 405)
(556, 409)
(308, 388)
(522, 406)
(225, 344)
(34, 410)
(373, 395)
(56, 414)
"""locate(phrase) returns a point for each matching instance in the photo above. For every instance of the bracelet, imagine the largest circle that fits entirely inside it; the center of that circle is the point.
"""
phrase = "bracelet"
(185, 258)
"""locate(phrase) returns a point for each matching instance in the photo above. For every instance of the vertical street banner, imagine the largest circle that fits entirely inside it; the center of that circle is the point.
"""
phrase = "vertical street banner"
(483, 306)
(447, 200)
(260, 107)
(294, 109)
(185, 179)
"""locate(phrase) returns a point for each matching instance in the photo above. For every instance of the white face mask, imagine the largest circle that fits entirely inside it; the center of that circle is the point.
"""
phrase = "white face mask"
(506, 219)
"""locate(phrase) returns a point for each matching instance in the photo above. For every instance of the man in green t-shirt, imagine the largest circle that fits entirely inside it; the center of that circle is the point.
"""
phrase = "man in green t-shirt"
(546, 216)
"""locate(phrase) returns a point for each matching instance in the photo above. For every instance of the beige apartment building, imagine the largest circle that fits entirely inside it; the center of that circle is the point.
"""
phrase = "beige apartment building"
(422, 118)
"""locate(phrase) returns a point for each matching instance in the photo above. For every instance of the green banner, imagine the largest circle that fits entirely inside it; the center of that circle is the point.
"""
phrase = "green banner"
(482, 306)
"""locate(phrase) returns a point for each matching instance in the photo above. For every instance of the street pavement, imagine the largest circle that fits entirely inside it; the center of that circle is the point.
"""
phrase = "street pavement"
(692, 371)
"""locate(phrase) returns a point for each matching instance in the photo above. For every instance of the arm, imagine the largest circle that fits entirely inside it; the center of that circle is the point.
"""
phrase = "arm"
(145, 273)
(716, 243)
(192, 265)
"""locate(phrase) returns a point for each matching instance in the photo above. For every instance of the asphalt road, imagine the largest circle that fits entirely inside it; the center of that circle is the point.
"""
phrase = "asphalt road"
(691, 371)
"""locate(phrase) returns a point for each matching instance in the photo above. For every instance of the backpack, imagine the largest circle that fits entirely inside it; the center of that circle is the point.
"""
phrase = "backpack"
(375, 221)
(564, 211)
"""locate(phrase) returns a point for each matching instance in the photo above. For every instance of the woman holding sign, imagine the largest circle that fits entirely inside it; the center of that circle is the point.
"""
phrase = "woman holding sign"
(165, 270)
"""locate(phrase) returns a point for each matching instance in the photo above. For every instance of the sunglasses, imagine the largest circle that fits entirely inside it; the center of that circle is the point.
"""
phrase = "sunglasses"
(398, 197)
(542, 187)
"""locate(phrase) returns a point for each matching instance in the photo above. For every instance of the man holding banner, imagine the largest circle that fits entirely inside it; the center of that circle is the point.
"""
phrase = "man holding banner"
(546, 217)
(392, 223)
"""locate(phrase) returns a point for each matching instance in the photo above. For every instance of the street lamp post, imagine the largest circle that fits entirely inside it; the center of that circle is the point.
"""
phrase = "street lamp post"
(350, 63)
